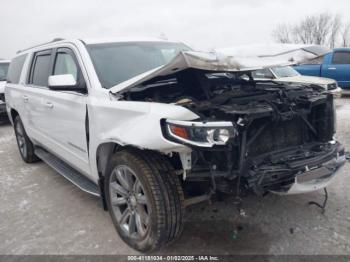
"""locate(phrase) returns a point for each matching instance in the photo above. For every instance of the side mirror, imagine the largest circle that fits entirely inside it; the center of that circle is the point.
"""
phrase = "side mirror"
(63, 82)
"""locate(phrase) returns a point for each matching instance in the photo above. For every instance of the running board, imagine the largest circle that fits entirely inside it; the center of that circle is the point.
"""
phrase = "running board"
(68, 172)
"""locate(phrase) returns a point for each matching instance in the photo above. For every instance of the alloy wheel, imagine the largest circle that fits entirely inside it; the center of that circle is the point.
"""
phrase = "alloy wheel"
(129, 202)
(21, 139)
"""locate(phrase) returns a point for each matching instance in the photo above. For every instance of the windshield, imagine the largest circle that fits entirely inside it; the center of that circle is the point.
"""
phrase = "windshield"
(117, 62)
(285, 71)
(3, 71)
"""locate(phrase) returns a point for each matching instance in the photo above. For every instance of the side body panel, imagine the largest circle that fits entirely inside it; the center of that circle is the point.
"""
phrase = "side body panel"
(309, 70)
(136, 124)
(17, 97)
(336, 71)
(59, 125)
(53, 119)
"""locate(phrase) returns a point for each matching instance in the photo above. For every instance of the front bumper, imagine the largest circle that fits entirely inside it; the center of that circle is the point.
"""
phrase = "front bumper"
(317, 178)
(297, 170)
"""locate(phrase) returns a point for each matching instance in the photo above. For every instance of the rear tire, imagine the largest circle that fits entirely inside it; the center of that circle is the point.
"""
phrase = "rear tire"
(25, 146)
(142, 186)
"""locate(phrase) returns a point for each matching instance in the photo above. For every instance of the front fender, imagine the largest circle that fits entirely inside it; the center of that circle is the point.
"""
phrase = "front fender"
(136, 124)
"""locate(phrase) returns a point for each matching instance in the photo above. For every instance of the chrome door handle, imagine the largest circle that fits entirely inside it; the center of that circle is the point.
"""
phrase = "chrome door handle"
(332, 68)
(25, 98)
(49, 105)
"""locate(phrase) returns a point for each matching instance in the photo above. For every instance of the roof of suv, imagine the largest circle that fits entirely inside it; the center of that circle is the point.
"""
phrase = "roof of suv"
(123, 39)
(339, 49)
(97, 41)
(4, 61)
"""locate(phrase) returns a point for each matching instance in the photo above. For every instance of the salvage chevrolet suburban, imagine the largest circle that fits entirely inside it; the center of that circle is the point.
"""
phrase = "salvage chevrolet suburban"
(151, 127)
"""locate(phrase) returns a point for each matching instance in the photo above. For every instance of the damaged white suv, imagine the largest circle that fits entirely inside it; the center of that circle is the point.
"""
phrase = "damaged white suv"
(152, 127)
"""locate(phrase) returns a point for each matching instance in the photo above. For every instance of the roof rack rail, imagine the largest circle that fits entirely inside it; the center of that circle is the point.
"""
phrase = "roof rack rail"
(52, 41)
(57, 39)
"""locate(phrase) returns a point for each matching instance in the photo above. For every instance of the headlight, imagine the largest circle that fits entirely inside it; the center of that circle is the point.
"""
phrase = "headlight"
(204, 134)
(332, 86)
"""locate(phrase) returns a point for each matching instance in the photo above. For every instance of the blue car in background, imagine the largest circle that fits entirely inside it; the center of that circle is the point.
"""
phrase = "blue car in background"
(335, 65)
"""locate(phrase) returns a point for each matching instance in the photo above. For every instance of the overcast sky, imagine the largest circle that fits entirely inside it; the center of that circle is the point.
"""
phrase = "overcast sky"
(203, 24)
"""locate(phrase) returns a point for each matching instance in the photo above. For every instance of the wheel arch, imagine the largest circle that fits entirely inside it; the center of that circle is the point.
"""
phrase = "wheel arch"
(106, 150)
(13, 114)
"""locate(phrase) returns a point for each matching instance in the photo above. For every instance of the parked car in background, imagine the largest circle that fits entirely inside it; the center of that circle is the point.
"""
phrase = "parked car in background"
(4, 65)
(334, 65)
(286, 74)
(152, 127)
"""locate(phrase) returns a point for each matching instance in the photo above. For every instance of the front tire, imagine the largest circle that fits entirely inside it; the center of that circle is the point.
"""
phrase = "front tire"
(145, 199)
(25, 146)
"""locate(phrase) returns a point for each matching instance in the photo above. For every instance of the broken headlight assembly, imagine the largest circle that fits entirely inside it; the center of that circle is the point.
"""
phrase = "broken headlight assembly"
(202, 134)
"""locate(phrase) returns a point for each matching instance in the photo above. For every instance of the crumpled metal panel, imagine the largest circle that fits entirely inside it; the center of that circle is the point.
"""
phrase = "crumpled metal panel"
(228, 60)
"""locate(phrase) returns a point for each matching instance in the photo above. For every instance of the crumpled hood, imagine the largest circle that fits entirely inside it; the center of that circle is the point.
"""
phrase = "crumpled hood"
(291, 53)
(227, 60)
(307, 80)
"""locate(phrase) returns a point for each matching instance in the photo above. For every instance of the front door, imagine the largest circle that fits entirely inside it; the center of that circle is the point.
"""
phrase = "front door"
(339, 68)
(60, 116)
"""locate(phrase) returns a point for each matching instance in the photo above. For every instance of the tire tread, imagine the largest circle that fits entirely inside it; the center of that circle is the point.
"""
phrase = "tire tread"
(167, 194)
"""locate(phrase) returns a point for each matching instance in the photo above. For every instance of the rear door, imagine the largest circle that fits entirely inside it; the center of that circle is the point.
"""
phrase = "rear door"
(59, 117)
(37, 86)
(338, 68)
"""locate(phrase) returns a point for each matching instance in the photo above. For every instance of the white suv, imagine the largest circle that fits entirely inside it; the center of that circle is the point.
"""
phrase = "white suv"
(152, 127)
(4, 65)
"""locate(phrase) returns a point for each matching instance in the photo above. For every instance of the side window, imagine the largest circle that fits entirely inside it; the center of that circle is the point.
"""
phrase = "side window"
(65, 64)
(340, 58)
(262, 73)
(4, 67)
(41, 69)
(15, 69)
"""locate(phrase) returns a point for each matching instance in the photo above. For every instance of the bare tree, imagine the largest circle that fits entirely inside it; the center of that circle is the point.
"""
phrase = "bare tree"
(304, 32)
(321, 29)
(346, 35)
(335, 30)
(323, 25)
(282, 34)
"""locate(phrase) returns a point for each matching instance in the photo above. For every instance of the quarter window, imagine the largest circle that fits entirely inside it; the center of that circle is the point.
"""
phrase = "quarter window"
(3, 71)
(65, 64)
(15, 69)
(41, 70)
(340, 58)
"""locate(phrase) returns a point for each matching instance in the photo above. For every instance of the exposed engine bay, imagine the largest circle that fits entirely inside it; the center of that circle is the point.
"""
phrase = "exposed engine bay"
(279, 131)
